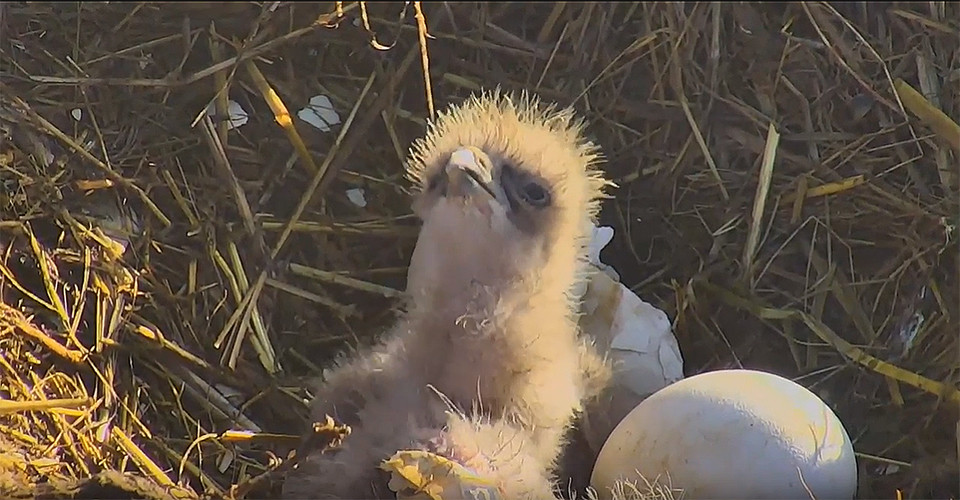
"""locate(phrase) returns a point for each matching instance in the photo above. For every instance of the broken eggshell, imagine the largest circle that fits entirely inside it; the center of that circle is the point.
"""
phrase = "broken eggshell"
(320, 113)
(636, 336)
(102, 210)
(357, 197)
(236, 115)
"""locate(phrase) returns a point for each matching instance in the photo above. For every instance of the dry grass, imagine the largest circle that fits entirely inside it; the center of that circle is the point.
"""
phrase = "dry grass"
(788, 191)
(641, 489)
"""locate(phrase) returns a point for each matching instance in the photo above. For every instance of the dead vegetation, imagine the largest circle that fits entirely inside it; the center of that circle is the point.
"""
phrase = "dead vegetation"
(788, 192)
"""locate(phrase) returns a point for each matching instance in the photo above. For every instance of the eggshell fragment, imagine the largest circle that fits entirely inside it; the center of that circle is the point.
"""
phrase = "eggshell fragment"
(636, 337)
(320, 113)
(732, 434)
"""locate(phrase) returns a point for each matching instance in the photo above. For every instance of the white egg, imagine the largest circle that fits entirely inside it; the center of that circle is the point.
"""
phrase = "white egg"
(732, 434)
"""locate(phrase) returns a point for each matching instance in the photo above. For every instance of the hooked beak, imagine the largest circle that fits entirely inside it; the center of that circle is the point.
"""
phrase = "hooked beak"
(468, 173)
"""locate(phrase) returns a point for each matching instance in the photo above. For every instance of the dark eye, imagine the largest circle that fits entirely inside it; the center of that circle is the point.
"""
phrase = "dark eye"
(535, 194)
(525, 188)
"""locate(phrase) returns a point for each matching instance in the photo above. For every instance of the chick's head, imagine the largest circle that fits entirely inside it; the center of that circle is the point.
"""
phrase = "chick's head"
(504, 186)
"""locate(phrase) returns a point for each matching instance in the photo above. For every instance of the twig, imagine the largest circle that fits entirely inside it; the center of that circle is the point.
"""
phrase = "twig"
(321, 437)
(424, 59)
(15, 319)
(7, 406)
(937, 120)
(147, 465)
(760, 199)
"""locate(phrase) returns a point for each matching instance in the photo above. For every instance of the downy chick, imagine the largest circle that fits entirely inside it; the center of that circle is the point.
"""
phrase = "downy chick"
(504, 187)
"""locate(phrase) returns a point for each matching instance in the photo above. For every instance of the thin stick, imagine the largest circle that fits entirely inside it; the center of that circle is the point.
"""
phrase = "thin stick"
(424, 59)
(760, 199)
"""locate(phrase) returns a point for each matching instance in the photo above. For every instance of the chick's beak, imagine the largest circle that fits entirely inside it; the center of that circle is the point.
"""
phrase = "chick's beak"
(469, 173)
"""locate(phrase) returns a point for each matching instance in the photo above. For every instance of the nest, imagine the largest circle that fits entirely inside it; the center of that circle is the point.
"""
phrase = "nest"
(787, 192)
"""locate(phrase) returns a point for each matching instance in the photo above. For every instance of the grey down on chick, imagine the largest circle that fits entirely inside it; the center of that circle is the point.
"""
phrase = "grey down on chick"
(485, 365)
